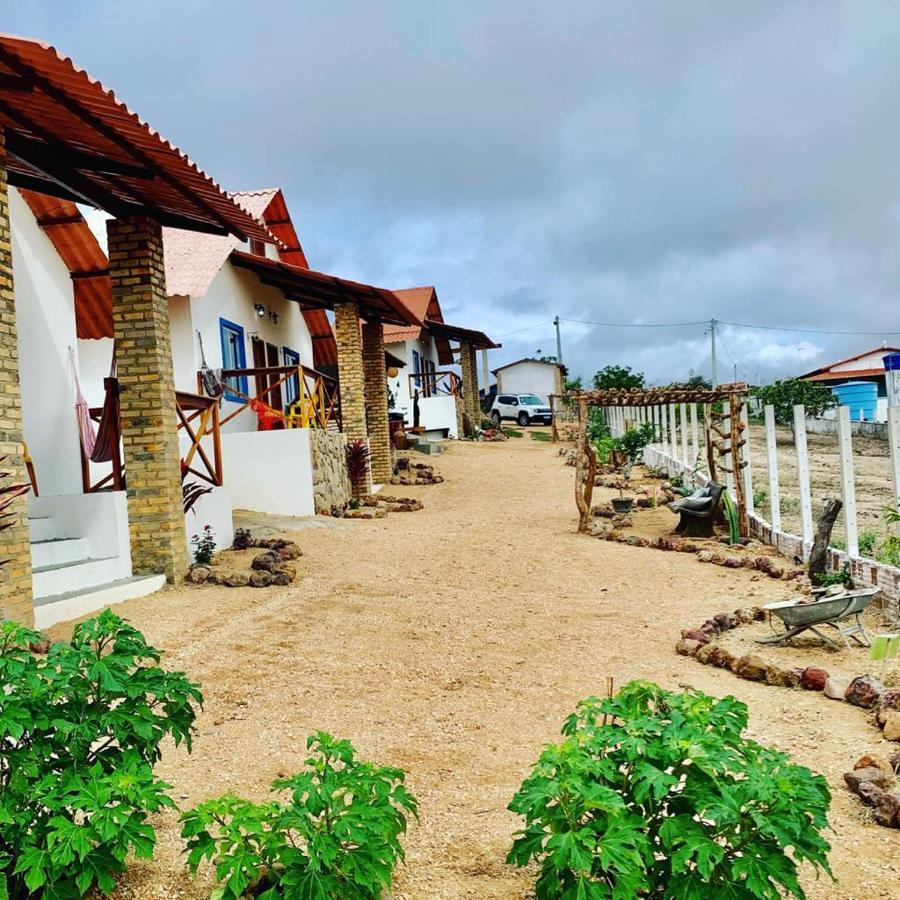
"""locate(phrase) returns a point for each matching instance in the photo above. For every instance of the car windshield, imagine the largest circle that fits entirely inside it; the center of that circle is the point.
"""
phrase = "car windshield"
(530, 400)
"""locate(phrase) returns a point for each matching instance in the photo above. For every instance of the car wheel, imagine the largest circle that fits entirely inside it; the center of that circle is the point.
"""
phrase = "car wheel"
(495, 418)
(522, 419)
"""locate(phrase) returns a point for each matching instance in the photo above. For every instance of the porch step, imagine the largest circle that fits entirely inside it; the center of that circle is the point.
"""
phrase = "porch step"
(61, 578)
(46, 528)
(58, 551)
(73, 604)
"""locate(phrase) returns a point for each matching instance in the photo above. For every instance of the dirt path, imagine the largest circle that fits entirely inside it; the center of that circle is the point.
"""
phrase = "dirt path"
(453, 642)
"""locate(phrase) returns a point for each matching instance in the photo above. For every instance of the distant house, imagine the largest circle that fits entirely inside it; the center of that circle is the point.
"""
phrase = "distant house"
(531, 376)
(865, 367)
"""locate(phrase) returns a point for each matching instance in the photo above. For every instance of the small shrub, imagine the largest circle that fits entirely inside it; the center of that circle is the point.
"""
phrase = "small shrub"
(242, 539)
(868, 542)
(80, 732)
(204, 546)
(541, 436)
(827, 579)
(632, 443)
(657, 794)
(785, 395)
(358, 458)
(760, 497)
(512, 432)
(338, 834)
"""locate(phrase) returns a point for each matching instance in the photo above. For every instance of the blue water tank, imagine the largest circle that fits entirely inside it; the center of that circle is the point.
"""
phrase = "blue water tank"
(860, 396)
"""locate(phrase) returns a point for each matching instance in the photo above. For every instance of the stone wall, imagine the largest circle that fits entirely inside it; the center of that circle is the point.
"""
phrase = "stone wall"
(331, 484)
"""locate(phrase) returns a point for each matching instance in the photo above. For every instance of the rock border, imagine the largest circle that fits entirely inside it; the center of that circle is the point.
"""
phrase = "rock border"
(872, 779)
(268, 569)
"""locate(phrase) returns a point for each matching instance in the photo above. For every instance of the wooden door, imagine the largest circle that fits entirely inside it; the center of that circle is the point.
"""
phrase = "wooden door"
(272, 360)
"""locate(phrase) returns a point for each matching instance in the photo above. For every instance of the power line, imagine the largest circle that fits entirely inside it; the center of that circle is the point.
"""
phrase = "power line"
(808, 330)
(635, 324)
(526, 328)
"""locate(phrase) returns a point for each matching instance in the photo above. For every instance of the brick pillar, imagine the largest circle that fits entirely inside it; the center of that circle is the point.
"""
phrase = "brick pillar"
(147, 385)
(15, 542)
(350, 373)
(469, 364)
(375, 374)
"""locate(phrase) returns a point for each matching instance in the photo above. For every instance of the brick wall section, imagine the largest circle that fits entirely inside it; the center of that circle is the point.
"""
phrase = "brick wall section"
(144, 359)
(468, 361)
(15, 543)
(377, 401)
(350, 372)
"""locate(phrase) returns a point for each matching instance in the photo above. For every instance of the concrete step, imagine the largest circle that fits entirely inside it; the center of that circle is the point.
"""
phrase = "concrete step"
(58, 552)
(45, 528)
(67, 577)
(74, 604)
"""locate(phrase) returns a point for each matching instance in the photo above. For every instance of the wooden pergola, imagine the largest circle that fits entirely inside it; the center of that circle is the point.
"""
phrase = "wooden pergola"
(723, 445)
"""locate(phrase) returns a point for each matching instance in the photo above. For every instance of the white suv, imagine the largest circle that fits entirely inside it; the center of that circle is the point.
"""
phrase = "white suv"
(524, 408)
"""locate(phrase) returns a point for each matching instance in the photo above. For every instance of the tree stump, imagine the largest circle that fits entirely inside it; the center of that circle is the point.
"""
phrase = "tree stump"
(818, 557)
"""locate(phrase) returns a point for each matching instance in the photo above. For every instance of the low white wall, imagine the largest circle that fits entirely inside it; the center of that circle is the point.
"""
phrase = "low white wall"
(438, 413)
(101, 518)
(829, 425)
(213, 509)
(269, 471)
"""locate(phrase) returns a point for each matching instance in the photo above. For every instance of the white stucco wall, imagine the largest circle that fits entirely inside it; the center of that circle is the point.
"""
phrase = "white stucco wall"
(427, 349)
(45, 319)
(232, 296)
(529, 378)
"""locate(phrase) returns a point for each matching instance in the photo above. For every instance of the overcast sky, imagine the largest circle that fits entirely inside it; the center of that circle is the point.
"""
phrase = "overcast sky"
(653, 162)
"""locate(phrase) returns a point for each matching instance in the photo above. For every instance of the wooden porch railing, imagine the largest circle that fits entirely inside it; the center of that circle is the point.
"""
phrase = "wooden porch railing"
(434, 384)
(313, 402)
(198, 416)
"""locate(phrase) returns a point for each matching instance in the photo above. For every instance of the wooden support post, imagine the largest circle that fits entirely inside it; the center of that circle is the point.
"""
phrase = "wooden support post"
(803, 477)
(728, 461)
(695, 443)
(710, 447)
(737, 462)
(584, 482)
(894, 444)
(554, 434)
(848, 482)
(818, 557)
(748, 461)
(772, 454)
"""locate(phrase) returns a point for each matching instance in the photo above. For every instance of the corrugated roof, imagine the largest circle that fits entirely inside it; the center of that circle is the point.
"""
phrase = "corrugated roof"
(826, 370)
(83, 256)
(70, 137)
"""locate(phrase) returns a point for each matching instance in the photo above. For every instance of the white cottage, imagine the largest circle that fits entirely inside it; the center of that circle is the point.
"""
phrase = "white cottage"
(530, 376)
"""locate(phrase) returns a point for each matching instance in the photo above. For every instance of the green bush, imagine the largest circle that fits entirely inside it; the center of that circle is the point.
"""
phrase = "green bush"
(656, 794)
(80, 732)
(785, 395)
(337, 836)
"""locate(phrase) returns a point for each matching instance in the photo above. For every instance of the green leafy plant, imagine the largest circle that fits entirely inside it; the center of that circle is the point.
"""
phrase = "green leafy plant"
(760, 497)
(632, 443)
(868, 542)
(204, 546)
(541, 436)
(785, 395)
(827, 579)
(604, 447)
(338, 834)
(512, 432)
(243, 539)
(729, 508)
(657, 794)
(618, 377)
(80, 732)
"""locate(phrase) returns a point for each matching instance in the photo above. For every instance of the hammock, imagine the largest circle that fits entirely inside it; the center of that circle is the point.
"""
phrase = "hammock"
(99, 446)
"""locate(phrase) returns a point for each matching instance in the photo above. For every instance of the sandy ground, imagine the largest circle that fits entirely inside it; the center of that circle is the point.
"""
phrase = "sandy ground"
(872, 471)
(453, 642)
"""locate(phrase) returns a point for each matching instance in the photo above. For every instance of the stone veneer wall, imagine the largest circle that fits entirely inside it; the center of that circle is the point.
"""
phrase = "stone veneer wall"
(376, 401)
(469, 364)
(15, 546)
(147, 397)
(331, 484)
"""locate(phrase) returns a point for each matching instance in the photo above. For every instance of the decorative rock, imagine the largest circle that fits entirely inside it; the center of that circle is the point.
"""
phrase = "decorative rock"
(887, 810)
(261, 579)
(869, 793)
(760, 614)
(213, 579)
(894, 760)
(889, 700)
(291, 552)
(751, 667)
(732, 562)
(722, 658)
(778, 677)
(687, 647)
(290, 571)
(695, 634)
(864, 691)
(706, 556)
(265, 562)
(705, 653)
(745, 615)
(873, 761)
(281, 579)
(198, 574)
(237, 579)
(892, 725)
(871, 774)
(836, 686)
(813, 679)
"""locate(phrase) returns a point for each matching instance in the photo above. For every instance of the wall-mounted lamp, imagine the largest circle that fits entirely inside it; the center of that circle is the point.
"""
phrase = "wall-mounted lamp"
(273, 318)
(260, 310)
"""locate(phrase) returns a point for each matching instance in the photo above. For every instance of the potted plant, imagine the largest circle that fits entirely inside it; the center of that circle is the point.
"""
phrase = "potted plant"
(623, 504)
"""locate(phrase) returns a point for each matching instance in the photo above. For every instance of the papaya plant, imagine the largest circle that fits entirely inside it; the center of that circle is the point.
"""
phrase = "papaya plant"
(80, 731)
(656, 794)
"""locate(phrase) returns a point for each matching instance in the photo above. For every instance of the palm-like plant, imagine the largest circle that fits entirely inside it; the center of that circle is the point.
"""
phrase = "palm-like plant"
(9, 493)
(357, 464)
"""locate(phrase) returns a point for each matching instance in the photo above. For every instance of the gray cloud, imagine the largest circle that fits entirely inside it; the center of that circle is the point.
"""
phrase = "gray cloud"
(649, 161)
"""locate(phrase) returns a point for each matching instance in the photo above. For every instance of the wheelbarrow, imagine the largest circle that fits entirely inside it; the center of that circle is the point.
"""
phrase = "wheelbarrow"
(842, 613)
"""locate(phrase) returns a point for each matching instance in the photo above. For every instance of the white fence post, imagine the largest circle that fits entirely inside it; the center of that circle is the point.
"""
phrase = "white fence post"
(747, 473)
(673, 432)
(695, 442)
(803, 477)
(684, 436)
(848, 482)
(894, 444)
(726, 427)
(663, 411)
(772, 452)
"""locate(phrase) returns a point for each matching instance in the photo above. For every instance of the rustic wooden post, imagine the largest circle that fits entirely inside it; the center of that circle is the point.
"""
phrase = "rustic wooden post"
(747, 460)
(803, 476)
(710, 442)
(737, 461)
(728, 461)
(848, 482)
(818, 557)
(584, 486)
(772, 454)
(554, 434)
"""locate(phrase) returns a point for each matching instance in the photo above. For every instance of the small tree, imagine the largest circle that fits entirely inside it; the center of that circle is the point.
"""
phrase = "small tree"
(785, 395)
(358, 465)
(656, 794)
(618, 377)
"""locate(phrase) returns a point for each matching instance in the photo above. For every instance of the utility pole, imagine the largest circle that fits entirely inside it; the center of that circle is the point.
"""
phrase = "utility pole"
(558, 341)
(485, 372)
(712, 352)
(735, 374)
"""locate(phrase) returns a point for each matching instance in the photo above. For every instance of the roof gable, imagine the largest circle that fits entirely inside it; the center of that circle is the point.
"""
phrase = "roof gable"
(842, 366)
